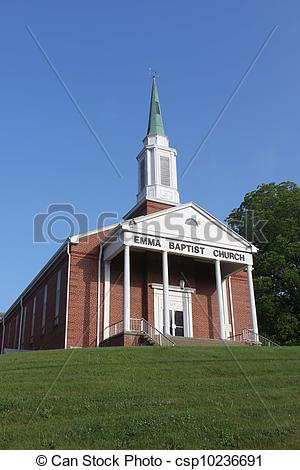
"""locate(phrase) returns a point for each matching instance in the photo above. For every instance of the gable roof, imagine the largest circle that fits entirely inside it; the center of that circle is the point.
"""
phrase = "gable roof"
(204, 213)
(76, 238)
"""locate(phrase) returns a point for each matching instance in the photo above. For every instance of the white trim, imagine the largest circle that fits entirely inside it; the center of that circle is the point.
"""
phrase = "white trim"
(172, 288)
(127, 229)
(76, 238)
(99, 295)
(252, 300)
(220, 299)
(112, 249)
(184, 247)
(165, 273)
(227, 323)
(184, 296)
(57, 296)
(231, 306)
(106, 304)
(126, 290)
(68, 294)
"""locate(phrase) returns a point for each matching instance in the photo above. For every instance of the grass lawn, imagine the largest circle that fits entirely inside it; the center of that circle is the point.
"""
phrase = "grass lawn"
(151, 398)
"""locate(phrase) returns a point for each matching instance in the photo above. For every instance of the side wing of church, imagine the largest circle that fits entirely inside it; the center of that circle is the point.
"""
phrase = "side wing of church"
(168, 273)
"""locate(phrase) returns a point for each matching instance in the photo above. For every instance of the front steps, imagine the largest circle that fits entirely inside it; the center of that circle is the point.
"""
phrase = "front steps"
(146, 339)
(183, 341)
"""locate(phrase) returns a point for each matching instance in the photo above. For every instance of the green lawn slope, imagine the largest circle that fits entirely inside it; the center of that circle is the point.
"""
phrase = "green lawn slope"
(151, 398)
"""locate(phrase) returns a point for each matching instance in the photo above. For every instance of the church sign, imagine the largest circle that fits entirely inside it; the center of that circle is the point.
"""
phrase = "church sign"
(187, 248)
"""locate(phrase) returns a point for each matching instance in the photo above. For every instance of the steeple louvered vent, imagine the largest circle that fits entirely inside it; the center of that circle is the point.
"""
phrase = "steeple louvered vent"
(165, 171)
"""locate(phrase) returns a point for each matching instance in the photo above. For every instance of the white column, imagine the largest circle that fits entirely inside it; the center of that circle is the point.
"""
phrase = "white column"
(165, 270)
(126, 298)
(252, 300)
(220, 298)
(231, 307)
(106, 309)
(225, 307)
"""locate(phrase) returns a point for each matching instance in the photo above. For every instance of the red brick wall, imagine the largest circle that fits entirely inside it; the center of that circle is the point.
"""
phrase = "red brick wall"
(147, 207)
(53, 336)
(82, 319)
(241, 305)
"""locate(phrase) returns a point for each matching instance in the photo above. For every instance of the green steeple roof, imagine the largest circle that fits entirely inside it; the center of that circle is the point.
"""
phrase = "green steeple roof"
(155, 124)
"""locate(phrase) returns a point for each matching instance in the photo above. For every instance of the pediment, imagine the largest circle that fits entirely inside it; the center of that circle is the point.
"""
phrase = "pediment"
(191, 223)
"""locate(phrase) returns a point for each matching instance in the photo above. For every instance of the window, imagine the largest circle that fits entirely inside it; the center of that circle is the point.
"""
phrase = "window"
(8, 335)
(15, 345)
(165, 171)
(57, 298)
(23, 325)
(142, 174)
(157, 108)
(44, 308)
(33, 319)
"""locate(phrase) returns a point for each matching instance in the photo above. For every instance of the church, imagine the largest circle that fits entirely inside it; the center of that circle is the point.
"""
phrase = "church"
(169, 273)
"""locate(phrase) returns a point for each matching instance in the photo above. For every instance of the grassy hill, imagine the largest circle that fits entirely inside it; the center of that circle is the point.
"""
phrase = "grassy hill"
(151, 398)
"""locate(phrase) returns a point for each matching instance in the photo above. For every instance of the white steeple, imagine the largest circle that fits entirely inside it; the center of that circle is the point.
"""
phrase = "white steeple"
(157, 161)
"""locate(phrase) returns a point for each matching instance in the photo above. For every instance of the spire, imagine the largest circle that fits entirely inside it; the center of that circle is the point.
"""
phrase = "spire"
(155, 124)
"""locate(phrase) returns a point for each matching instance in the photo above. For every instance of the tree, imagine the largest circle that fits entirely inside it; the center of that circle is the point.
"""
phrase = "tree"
(269, 217)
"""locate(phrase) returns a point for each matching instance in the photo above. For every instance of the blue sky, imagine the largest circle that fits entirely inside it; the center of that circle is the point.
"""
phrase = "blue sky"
(102, 51)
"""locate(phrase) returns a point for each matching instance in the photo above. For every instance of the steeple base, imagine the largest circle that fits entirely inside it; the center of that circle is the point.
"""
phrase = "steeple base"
(147, 206)
(159, 193)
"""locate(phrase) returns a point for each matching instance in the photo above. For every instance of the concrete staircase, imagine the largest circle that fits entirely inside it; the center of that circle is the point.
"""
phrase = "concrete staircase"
(182, 341)
(146, 339)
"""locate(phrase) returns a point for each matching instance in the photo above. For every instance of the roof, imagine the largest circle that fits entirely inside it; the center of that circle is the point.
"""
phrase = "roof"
(73, 240)
(205, 213)
(155, 124)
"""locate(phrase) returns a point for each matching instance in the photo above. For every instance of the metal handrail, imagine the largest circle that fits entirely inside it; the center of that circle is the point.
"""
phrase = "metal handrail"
(143, 326)
(273, 343)
(250, 337)
(113, 330)
(138, 325)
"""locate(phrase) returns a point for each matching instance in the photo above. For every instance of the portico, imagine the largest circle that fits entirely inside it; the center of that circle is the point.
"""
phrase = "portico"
(224, 253)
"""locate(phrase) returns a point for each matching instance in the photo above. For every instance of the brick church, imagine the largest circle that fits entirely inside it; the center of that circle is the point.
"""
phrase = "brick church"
(168, 272)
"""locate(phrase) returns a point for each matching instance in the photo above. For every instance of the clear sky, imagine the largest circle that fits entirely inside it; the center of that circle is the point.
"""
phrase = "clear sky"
(102, 52)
